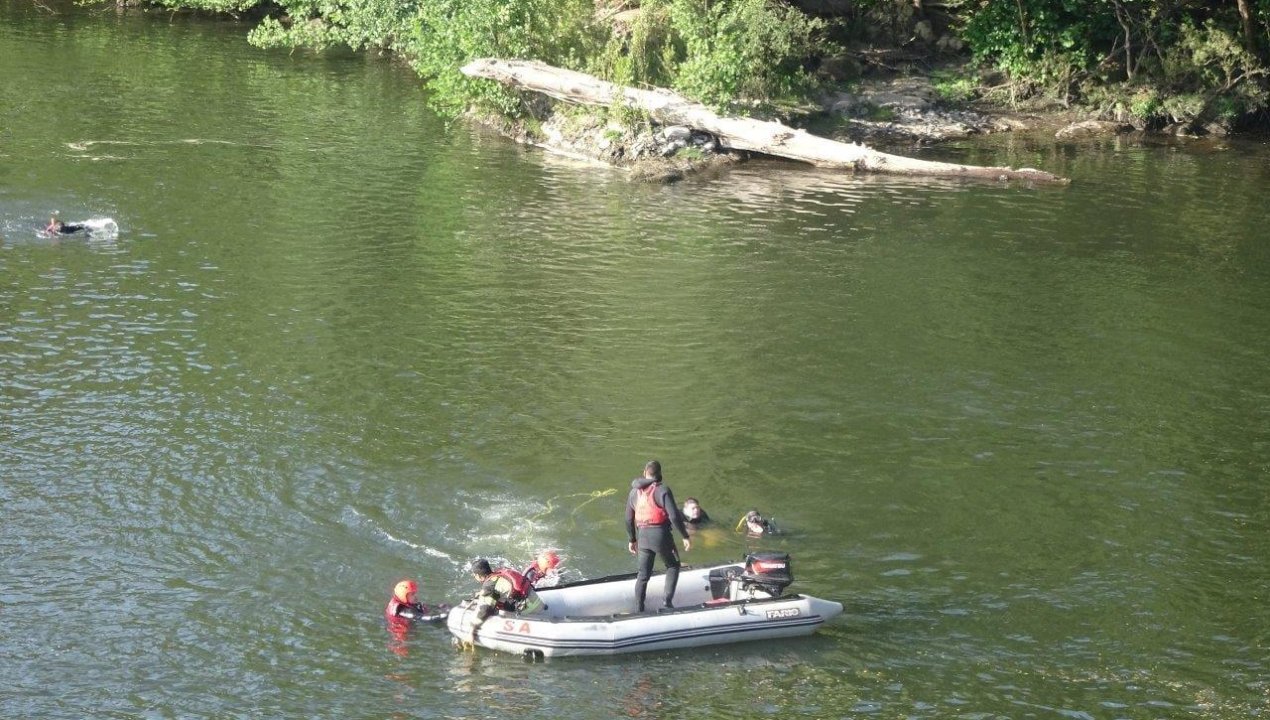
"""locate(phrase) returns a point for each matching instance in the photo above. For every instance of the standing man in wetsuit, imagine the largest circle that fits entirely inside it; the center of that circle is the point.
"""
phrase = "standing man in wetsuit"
(650, 512)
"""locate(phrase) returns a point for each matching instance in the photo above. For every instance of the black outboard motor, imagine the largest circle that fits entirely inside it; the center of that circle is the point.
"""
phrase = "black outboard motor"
(770, 572)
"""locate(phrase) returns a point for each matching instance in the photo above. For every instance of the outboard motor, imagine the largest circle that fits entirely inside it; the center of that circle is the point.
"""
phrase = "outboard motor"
(770, 572)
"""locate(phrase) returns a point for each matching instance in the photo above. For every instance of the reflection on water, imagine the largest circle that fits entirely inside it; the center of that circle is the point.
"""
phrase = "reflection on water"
(1016, 430)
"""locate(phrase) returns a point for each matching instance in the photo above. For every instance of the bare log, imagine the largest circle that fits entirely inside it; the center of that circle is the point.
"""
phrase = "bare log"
(761, 136)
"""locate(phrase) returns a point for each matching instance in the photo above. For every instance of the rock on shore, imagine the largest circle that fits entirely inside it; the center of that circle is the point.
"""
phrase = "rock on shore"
(907, 110)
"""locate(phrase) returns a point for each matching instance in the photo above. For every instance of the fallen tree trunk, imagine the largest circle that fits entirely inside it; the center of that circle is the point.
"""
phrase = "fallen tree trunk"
(761, 136)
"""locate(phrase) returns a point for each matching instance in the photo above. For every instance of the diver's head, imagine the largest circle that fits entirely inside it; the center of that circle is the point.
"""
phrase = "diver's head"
(547, 560)
(480, 568)
(755, 523)
(405, 591)
(692, 508)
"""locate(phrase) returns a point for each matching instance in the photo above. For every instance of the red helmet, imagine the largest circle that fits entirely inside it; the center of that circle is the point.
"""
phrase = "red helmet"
(404, 589)
(547, 560)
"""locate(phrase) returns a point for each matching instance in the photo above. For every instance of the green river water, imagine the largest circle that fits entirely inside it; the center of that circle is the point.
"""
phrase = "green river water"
(1021, 433)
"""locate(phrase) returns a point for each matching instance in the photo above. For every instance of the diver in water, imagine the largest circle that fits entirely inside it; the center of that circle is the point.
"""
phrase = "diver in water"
(693, 513)
(543, 572)
(404, 606)
(57, 227)
(755, 525)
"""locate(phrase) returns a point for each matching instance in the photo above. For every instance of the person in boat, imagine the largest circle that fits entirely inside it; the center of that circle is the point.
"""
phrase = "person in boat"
(502, 589)
(755, 525)
(651, 512)
(693, 513)
(404, 606)
(542, 571)
(57, 227)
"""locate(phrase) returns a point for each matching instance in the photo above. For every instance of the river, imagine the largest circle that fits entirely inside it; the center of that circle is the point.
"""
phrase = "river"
(1021, 433)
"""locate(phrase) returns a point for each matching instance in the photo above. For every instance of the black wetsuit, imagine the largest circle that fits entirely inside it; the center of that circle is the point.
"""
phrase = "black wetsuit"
(652, 540)
(68, 229)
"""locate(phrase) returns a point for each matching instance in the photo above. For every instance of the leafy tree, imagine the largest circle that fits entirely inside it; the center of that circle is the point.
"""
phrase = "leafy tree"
(718, 52)
(358, 24)
(447, 34)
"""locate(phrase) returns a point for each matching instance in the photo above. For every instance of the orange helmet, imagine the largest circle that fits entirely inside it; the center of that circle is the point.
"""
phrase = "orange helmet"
(547, 560)
(403, 590)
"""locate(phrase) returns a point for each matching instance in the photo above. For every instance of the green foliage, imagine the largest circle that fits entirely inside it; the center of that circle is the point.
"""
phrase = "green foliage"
(1213, 74)
(630, 117)
(717, 52)
(1191, 57)
(1145, 104)
(1182, 107)
(533, 127)
(644, 53)
(1045, 45)
(1178, 61)
(358, 24)
(1015, 36)
(955, 88)
(220, 6)
(879, 113)
(447, 34)
(745, 49)
(690, 153)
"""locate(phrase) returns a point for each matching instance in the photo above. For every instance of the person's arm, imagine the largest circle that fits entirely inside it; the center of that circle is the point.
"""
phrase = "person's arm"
(486, 601)
(419, 611)
(676, 517)
(630, 520)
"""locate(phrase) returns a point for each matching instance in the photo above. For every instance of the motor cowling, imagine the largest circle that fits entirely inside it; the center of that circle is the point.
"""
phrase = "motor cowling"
(770, 572)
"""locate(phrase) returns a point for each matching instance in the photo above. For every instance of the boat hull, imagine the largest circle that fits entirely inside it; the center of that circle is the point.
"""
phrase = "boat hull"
(596, 618)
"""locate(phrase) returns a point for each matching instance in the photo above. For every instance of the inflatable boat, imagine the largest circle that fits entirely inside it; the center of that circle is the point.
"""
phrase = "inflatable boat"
(713, 605)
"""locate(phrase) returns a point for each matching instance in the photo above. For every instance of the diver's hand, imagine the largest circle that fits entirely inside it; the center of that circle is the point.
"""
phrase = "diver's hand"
(631, 546)
(687, 544)
(469, 642)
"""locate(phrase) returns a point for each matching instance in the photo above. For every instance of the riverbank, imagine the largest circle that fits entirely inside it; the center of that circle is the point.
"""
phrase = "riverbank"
(906, 75)
(900, 112)
(895, 112)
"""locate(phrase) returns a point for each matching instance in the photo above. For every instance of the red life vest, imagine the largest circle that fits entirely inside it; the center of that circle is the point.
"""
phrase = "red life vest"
(390, 612)
(647, 512)
(520, 586)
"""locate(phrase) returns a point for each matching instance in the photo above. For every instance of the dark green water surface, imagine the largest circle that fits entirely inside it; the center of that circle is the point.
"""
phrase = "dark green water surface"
(1020, 432)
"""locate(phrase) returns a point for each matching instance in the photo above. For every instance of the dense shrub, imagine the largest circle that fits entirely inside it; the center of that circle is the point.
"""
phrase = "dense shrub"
(717, 52)
(1181, 61)
(1174, 62)
(447, 34)
(358, 24)
(1217, 76)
